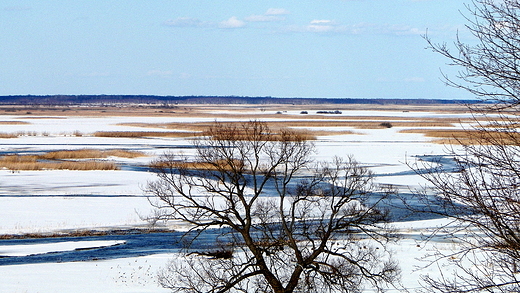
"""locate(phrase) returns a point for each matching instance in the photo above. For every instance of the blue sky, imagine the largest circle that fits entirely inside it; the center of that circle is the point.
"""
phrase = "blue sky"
(320, 48)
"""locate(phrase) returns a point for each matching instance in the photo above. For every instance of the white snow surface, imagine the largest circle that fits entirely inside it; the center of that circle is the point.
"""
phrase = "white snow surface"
(47, 201)
(119, 275)
(32, 249)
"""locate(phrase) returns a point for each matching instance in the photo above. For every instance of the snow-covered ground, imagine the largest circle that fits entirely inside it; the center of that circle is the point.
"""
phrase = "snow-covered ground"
(50, 201)
(33, 249)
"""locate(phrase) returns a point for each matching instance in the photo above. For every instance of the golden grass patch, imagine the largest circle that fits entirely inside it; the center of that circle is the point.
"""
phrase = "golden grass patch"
(143, 134)
(210, 166)
(8, 135)
(241, 135)
(216, 110)
(66, 160)
(89, 154)
(276, 125)
(316, 133)
(124, 154)
(196, 130)
(359, 124)
(468, 137)
(41, 117)
(32, 163)
(134, 109)
(14, 123)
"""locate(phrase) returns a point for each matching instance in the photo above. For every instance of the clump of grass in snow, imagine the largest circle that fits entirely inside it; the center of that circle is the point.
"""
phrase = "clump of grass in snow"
(217, 165)
(140, 134)
(32, 163)
(468, 137)
(65, 160)
(353, 122)
(8, 135)
(89, 154)
(239, 134)
(13, 123)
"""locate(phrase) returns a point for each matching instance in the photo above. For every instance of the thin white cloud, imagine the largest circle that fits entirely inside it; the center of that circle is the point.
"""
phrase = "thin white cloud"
(277, 11)
(322, 22)
(271, 15)
(402, 30)
(232, 22)
(321, 28)
(318, 26)
(386, 29)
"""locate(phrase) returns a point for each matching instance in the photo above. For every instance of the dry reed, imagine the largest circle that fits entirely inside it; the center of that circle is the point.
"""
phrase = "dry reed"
(89, 154)
(31, 163)
(217, 165)
(277, 135)
(365, 124)
(14, 123)
(8, 135)
(143, 134)
(197, 130)
(65, 160)
(468, 137)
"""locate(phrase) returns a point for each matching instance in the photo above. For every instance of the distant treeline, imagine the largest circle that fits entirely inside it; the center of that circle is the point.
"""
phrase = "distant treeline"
(173, 100)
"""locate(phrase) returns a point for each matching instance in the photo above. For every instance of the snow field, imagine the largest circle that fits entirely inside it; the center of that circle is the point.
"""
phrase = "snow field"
(47, 201)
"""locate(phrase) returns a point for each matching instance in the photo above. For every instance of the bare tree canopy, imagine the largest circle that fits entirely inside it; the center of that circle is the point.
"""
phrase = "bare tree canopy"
(489, 68)
(288, 224)
(483, 200)
(480, 191)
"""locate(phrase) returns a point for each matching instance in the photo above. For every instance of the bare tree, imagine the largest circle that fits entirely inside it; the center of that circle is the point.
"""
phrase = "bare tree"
(489, 68)
(286, 224)
(481, 190)
(480, 193)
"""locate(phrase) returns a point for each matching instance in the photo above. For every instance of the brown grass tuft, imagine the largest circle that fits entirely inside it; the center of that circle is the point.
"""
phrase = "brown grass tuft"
(344, 122)
(64, 165)
(14, 123)
(217, 165)
(28, 163)
(142, 134)
(8, 135)
(89, 154)
(277, 135)
(124, 154)
(64, 160)
(468, 137)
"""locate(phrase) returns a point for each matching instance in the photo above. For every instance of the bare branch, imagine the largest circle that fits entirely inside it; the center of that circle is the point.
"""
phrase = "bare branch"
(282, 214)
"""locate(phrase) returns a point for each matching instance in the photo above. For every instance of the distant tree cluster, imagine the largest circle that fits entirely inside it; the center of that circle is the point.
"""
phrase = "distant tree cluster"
(329, 112)
(173, 100)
